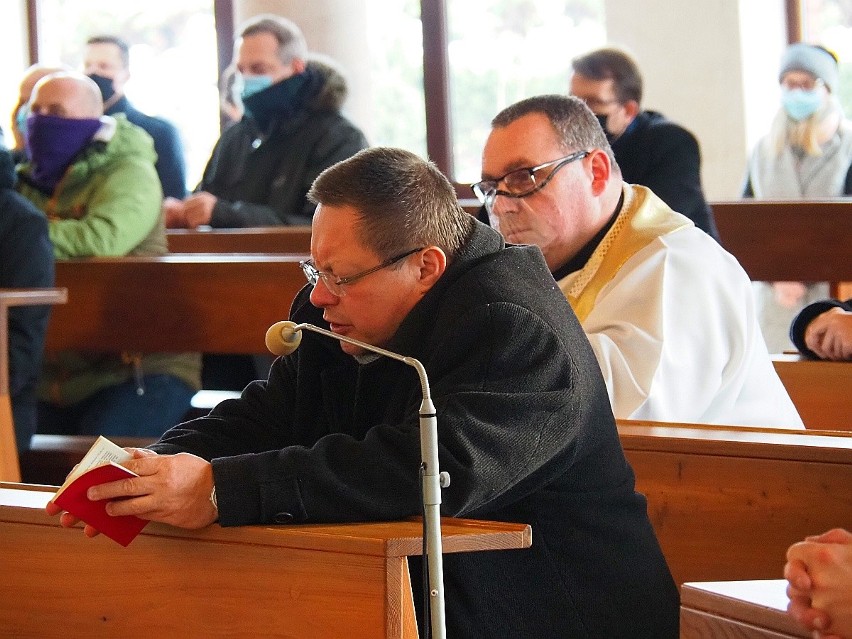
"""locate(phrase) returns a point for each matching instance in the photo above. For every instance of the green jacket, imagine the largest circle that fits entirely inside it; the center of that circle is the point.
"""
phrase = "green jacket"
(107, 204)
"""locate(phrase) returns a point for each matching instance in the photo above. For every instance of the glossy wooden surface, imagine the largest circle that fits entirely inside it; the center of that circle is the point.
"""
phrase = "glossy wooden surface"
(821, 391)
(332, 580)
(788, 240)
(726, 502)
(174, 303)
(9, 464)
(270, 239)
(737, 610)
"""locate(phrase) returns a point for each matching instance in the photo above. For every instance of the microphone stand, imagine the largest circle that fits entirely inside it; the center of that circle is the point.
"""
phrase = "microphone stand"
(433, 480)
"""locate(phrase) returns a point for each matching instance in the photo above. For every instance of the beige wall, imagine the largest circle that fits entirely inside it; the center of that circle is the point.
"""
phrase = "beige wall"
(709, 65)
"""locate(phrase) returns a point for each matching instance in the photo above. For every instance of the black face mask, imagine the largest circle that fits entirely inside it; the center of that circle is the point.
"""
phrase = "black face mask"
(104, 84)
(602, 120)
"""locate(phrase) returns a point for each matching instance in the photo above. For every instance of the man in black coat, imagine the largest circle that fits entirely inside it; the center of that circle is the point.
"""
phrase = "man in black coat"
(107, 62)
(26, 261)
(524, 424)
(262, 166)
(651, 150)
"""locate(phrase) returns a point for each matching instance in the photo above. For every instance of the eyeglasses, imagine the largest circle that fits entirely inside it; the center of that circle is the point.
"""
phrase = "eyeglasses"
(805, 84)
(335, 284)
(521, 182)
(596, 104)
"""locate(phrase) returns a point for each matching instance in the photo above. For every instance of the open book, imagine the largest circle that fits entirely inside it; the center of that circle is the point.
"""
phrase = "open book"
(99, 466)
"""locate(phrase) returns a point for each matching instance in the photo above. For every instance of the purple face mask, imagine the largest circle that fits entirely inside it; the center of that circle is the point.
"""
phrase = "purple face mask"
(53, 143)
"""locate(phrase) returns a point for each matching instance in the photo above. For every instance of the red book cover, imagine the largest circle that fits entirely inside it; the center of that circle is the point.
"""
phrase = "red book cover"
(72, 497)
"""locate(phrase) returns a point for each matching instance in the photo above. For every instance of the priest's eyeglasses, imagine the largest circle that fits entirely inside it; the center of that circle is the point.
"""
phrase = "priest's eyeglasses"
(334, 284)
(521, 182)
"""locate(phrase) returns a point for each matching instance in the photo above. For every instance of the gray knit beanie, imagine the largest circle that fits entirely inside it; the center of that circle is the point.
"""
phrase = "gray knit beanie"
(815, 60)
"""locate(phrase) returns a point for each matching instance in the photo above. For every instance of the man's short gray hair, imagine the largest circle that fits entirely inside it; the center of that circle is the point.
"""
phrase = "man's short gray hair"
(291, 40)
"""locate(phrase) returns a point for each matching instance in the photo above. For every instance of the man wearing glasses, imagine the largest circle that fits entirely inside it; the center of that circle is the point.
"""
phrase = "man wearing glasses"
(524, 425)
(650, 149)
(669, 313)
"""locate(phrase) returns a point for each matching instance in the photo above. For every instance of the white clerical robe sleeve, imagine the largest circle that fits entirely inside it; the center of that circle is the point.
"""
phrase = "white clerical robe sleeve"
(677, 339)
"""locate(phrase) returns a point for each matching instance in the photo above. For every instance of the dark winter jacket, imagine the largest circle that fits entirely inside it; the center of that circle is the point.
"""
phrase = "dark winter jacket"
(806, 316)
(263, 180)
(26, 261)
(657, 153)
(171, 164)
(525, 431)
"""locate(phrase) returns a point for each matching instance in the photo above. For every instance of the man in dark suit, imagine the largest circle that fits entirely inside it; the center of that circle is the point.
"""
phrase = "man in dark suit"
(651, 150)
(107, 62)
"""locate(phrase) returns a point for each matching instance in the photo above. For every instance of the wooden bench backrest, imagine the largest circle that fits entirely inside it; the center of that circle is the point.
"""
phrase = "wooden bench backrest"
(270, 239)
(788, 241)
(821, 391)
(173, 303)
(726, 502)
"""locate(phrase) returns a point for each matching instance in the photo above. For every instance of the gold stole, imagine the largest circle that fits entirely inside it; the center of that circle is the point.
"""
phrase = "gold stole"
(644, 217)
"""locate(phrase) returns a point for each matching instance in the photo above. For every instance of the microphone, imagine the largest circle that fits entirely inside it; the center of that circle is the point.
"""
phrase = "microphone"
(283, 338)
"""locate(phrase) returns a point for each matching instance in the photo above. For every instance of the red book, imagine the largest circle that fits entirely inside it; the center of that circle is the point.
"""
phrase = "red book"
(99, 467)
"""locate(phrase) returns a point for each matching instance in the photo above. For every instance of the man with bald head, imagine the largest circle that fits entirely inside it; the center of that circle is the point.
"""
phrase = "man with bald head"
(94, 178)
(22, 109)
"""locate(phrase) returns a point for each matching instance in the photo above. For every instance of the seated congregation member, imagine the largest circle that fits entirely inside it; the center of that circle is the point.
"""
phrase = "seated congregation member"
(93, 176)
(650, 149)
(668, 312)
(22, 108)
(26, 261)
(823, 330)
(524, 426)
(807, 154)
(819, 572)
(107, 62)
(292, 128)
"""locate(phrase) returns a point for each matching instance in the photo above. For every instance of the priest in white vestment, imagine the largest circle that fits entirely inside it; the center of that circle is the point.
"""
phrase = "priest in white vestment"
(669, 313)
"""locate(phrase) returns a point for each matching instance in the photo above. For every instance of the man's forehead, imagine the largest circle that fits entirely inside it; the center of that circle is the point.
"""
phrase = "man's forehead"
(525, 142)
(103, 51)
(334, 233)
(585, 87)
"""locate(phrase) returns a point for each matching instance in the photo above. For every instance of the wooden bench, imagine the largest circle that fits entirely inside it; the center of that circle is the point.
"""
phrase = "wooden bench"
(789, 240)
(269, 240)
(172, 303)
(9, 463)
(726, 501)
(821, 390)
(318, 580)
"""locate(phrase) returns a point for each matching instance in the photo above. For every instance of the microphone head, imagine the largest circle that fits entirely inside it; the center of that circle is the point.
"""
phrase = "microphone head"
(282, 338)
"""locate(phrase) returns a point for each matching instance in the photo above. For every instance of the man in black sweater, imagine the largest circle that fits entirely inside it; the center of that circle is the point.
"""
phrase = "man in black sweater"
(651, 150)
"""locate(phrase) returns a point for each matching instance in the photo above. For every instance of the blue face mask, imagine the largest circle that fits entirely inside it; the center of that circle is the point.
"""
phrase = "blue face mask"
(21, 119)
(800, 104)
(254, 84)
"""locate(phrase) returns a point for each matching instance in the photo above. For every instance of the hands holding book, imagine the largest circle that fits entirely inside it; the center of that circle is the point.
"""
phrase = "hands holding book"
(172, 489)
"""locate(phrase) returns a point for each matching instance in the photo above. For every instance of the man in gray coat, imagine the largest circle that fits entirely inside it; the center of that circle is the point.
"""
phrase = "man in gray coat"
(524, 424)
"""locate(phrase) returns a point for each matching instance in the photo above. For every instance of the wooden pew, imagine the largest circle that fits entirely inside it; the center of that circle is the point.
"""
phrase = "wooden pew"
(172, 303)
(726, 501)
(821, 391)
(10, 469)
(319, 580)
(788, 240)
(271, 239)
